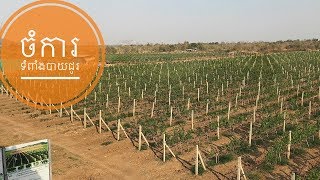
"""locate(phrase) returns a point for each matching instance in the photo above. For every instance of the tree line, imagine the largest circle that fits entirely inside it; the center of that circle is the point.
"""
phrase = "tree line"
(223, 47)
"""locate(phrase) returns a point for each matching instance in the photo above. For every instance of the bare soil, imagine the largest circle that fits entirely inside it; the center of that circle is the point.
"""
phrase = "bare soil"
(79, 153)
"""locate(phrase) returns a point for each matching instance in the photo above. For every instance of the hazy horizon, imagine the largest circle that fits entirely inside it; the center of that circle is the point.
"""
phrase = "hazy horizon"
(177, 21)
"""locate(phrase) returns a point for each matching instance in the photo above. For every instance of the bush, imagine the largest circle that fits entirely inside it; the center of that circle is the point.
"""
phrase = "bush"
(314, 174)
(267, 167)
(225, 158)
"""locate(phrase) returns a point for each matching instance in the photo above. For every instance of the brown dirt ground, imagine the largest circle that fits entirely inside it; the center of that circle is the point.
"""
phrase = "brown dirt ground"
(77, 153)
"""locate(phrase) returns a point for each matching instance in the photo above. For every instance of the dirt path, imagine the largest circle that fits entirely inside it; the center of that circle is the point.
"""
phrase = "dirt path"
(78, 153)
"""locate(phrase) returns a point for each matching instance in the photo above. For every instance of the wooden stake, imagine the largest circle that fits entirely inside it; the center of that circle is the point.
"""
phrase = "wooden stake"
(188, 104)
(302, 95)
(169, 100)
(284, 122)
(217, 158)
(152, 110)
(85, 116)
(310, 109)
(165, 146)
(2, 89)
(222, 92)
(119, 104)
(293, 176)
(141, 135)
(259, 88)
(254, 113)
(229, 109)
(71, 112)
(107, 103)
(207, 87)
(61, 111)
(240, 171)
(289, 146)
(129, 92)
(65, 110)
(50, 106)
(101, 121)
(198, 156)
(250, 134)
(192, 115)
(217, 98)
(281, 106)
(120, 127)
(171, 109)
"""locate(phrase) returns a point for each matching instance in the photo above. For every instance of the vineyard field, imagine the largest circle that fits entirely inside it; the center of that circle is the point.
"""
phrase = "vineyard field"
(278, 93)
(262, 108)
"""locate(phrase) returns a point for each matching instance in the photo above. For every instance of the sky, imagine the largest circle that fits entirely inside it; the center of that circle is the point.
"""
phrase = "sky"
(174, 21)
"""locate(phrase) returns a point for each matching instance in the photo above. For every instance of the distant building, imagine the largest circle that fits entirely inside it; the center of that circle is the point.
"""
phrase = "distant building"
(192, 50)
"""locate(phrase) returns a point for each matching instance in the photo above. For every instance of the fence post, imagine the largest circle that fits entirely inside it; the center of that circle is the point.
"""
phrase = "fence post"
(310, 109)
(284, 122)
(289, 146)
(254, 113)
(61, 108)
(240, 171)
(192, 116)
(100, 123)
(141, 135)
(198, 156)
(120, 127)
(119, 104)
(229, 109)
(152, 110)
(171, 116)
(164, 148)
(85, 118)
(71, 113)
